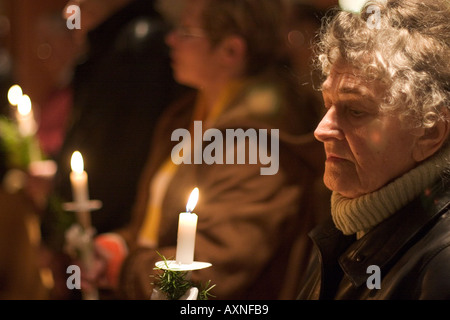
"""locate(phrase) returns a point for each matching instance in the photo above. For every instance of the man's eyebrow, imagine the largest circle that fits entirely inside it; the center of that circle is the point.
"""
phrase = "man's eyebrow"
(353, 90)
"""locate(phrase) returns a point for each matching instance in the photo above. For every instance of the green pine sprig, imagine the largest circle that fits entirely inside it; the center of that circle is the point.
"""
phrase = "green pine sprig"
(174, 284)
(204, 291)
(13, 144)
(16, 148)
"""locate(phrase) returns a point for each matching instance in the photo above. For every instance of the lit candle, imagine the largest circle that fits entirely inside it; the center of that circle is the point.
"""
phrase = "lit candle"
(187, 228)
(79, 181)
(14, 94)
(25, 117)
(26, 122)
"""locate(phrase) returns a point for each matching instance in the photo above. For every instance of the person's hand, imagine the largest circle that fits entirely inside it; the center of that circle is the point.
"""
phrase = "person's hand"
(103, 268)
(93, 267)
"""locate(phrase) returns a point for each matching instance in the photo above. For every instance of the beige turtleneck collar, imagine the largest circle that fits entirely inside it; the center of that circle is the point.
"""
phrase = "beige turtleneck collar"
(363, 213)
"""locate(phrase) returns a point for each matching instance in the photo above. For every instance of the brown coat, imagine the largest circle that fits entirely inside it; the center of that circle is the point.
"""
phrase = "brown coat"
(252, 227)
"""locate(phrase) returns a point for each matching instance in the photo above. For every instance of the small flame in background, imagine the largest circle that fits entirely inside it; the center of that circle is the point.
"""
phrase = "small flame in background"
(76, 162)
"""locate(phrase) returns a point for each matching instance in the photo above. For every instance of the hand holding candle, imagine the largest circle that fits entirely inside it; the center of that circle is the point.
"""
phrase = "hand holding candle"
(187, 228)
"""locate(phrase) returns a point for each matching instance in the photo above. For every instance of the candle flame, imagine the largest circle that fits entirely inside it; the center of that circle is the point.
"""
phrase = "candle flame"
(77, 162)
(24, 105)
(192, 202)
(14, 94)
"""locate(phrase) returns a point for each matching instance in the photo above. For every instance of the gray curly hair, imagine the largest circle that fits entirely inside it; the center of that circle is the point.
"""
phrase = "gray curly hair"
(408, 48)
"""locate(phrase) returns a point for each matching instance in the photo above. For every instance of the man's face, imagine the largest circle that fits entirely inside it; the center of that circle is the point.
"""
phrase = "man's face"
(365, 148)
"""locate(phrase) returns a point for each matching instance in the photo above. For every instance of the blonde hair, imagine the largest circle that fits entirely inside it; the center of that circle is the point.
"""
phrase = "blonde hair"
(405, 44)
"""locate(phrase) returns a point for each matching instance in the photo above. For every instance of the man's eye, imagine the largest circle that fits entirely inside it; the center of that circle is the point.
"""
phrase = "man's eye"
(356, 113)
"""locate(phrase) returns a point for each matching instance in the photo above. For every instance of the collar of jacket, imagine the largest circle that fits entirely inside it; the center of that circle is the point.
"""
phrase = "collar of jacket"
(382, 245)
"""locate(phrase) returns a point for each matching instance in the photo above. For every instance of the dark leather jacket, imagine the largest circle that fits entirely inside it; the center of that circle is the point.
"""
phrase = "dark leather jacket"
(411, 248)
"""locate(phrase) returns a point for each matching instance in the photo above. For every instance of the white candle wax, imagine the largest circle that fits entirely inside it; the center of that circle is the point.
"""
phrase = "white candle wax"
(79, 181)
(187, 228)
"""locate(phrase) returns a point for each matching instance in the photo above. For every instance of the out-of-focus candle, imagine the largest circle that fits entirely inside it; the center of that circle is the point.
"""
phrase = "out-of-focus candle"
(25, 117)
(80, 193)
(79, 179)
(14, 94)
(187, 228)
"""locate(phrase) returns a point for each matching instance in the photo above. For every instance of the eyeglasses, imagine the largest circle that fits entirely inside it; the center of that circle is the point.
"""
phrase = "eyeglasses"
(189, 32)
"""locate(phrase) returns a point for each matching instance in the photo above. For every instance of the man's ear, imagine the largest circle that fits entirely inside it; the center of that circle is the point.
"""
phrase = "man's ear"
(431, 140)
(233, 51)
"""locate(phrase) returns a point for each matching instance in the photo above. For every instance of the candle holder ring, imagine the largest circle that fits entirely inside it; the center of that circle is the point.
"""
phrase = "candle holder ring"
(173, 265)
(88, 206)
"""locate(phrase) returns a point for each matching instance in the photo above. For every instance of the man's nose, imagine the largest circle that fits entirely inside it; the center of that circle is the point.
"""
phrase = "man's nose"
(328, 127)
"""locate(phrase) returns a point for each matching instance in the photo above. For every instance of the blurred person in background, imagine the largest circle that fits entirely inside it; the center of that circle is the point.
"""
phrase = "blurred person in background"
(250, 225)
(121, 85)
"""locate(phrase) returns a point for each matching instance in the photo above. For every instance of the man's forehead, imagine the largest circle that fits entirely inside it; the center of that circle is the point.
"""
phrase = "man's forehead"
(344, 78)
